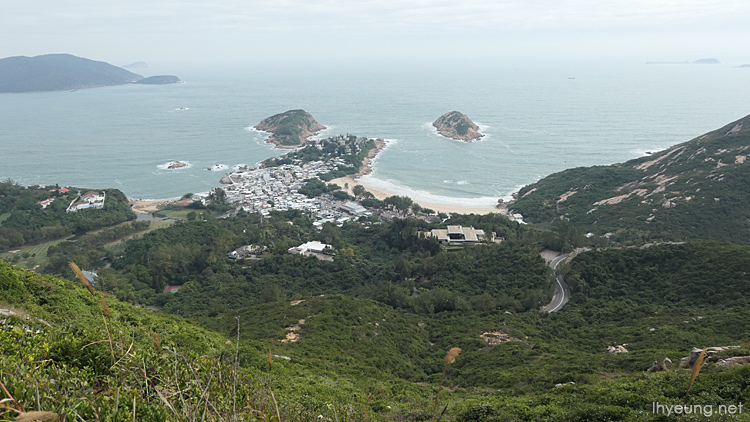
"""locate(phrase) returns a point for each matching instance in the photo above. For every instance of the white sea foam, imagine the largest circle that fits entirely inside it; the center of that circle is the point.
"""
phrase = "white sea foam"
(640, 152)
(166, 165)
(463, 182)
(217, 167)
(388, 143)
(325, 133)
(424, 196)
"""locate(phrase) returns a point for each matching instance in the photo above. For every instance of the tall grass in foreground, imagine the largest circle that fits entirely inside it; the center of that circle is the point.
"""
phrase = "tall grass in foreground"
(450, 357)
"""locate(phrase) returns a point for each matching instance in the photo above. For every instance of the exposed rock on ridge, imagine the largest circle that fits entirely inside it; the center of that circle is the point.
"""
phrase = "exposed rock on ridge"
(458, 126)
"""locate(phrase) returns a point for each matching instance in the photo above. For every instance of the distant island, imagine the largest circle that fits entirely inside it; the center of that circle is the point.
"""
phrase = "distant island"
(707, 61)
(684, 62)
(710, 60)
(290, 129)
(457, 126)
(159, 80)
(65, 72)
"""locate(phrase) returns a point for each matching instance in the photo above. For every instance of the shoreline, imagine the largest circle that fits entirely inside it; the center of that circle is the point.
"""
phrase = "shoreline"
(381, 194)
(366, 167)
(140, 206)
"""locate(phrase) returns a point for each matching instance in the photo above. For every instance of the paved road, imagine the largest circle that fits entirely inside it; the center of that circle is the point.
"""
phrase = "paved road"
(562, 292)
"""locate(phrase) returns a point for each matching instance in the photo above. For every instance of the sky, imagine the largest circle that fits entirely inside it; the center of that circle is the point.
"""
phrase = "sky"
(467, 31)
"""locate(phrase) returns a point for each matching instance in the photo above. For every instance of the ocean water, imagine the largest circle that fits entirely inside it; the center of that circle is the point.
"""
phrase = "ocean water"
(539, 118)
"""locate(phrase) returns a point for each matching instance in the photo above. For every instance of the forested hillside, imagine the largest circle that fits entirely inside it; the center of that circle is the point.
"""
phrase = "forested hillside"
(24, 221)
(353, 358)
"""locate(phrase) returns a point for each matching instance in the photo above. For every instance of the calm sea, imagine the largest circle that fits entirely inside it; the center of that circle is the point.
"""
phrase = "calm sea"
(539, 118)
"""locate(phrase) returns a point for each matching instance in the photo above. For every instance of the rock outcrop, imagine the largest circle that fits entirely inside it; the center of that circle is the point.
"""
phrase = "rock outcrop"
(290, 129)
(457, 126)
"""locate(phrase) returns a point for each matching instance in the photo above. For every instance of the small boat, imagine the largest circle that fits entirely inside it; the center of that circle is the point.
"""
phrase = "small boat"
(181, 108)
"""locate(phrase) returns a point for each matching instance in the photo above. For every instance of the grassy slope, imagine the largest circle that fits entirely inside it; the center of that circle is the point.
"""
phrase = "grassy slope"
(37, 254)
(343, 357)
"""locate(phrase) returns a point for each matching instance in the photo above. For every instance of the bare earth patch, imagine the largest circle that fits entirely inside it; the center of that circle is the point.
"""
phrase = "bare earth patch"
(494, 338)
(740, 159)
(566, 195)
(292, 336)
(617, 199)
(647, 164)
(735, 129)
(524, 195)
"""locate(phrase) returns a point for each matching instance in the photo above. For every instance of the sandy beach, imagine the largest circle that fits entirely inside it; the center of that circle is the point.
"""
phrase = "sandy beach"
(380, 194)
(147, 207)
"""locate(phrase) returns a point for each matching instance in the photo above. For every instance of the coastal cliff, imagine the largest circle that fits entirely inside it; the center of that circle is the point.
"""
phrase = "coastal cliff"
(457, 126)
(290, 129)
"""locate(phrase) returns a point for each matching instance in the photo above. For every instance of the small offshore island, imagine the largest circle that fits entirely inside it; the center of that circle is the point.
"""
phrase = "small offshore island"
(290, 129)
(458, 126)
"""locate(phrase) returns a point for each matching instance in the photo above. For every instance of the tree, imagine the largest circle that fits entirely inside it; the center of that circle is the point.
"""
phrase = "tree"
(400, 203)
(358, 191)
(218, 195)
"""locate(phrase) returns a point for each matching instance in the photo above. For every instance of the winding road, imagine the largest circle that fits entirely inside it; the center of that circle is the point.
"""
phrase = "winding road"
(562, 292)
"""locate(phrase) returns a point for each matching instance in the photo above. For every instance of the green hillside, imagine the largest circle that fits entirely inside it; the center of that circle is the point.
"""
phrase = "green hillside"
(353, 358)
(694, 190)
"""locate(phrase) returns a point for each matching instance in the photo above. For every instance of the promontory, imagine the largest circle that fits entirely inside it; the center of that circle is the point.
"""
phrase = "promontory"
(290, 129)
(458, 126)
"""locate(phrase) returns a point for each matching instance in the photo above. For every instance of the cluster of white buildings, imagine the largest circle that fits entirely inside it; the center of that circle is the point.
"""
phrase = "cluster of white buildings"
(90, 199)
(264, 190)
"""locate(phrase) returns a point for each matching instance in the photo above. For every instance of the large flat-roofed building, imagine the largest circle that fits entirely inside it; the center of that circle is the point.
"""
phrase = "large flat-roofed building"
(456, 235)
(319, 250)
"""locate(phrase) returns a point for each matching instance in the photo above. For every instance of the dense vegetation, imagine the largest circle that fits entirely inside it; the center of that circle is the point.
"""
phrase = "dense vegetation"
(26, 222)
(290, 128)
(357, 357)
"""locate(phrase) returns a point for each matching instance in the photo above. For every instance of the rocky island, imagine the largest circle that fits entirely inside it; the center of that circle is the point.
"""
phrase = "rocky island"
(457, 126)
(290, 129)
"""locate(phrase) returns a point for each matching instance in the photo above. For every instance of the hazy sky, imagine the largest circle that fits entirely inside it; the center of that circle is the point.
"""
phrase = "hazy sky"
(467, 31)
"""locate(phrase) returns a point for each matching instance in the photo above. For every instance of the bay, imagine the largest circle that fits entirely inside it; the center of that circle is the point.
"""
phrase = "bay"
(538, 117)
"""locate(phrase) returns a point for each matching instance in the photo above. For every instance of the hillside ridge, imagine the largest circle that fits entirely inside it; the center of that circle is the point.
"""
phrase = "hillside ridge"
(695, 189)
(58, 72)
